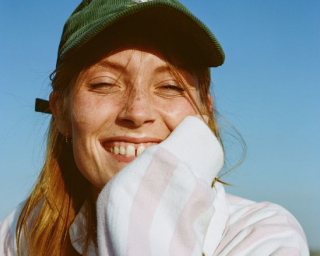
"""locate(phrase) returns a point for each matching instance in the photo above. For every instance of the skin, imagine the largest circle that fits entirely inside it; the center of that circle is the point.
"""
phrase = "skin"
(130, 97)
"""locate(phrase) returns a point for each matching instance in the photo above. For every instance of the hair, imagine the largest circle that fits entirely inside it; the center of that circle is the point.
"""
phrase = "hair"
(61, 190)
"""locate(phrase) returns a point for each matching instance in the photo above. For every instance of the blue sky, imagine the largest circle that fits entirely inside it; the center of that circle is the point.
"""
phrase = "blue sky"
(268, 88)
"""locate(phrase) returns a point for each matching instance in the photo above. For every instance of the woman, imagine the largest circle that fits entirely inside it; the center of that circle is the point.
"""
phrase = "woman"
(134, 149)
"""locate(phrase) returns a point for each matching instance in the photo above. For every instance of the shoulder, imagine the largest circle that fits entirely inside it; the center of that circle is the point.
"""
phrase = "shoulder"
(7, 232)
(261, 228)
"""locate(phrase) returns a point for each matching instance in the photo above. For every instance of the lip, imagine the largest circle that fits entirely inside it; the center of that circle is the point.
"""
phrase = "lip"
(132, 139)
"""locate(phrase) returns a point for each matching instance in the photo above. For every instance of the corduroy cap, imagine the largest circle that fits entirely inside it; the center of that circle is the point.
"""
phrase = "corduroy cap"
(168, 18)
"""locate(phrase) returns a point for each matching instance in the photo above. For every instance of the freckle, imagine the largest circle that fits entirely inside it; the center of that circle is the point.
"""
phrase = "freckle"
(138, 99)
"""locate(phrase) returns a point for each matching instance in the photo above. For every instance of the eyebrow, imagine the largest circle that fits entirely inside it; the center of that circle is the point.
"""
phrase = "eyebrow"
(163, 69)
(112, 64)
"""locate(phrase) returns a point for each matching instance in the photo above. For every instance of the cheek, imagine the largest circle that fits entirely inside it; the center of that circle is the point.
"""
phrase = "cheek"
(87, 120)
(175, 110)
(89, 114)
(85, 124)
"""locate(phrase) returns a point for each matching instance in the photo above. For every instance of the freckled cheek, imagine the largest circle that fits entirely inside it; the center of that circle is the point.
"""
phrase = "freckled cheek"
(89, 115)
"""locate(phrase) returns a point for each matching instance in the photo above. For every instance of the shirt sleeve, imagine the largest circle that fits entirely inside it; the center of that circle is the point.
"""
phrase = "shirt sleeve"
(162, 202)
(261, 229)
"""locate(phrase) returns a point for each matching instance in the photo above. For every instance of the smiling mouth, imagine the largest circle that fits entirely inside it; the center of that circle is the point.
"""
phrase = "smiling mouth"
(126, 148)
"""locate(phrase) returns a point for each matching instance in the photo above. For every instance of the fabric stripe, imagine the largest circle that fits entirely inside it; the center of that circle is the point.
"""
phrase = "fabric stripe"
(260, 231)
(184, 239)
(104, 237)
(115, 203)
(269, 228)
(150, 191)
(168, 212)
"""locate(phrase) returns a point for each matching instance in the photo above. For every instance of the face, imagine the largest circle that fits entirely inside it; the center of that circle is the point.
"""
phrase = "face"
(123, 104)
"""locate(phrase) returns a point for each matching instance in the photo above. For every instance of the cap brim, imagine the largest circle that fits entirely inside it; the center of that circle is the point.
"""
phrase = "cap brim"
(182, 31)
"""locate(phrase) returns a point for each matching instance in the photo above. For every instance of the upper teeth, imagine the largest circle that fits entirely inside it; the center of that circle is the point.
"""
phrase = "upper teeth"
(127, 151)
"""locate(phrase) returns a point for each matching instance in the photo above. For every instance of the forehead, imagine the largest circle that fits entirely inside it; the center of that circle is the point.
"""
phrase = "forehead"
(131, 56)
(132, 53)
(148, 60)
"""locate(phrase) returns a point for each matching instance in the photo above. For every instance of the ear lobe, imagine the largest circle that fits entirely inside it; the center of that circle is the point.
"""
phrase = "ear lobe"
(58, 110)
(210, 103)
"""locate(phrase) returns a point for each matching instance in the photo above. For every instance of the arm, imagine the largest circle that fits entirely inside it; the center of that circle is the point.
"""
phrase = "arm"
(162, 203)
(261, 229)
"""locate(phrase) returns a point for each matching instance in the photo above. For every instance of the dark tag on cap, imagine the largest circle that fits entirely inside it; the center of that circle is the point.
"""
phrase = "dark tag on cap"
(42, 106)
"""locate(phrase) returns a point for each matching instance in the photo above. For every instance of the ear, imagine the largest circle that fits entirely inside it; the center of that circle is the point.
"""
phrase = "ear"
(59, 111)
(210, 103)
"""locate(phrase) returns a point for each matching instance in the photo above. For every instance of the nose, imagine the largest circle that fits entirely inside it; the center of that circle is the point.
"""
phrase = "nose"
(137, 109)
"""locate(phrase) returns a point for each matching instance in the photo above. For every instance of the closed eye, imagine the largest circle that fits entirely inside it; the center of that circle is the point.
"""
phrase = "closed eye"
(104, 87)
(97, 85)
(170, 90)
(173, 87)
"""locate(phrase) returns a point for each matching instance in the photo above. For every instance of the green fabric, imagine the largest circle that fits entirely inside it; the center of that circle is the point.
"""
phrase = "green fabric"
(184, 29)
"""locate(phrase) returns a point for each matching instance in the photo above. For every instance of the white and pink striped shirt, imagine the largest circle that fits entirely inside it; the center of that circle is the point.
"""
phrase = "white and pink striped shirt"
(162, 204)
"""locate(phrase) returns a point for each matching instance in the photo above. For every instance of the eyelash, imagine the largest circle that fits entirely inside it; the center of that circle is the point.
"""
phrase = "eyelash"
(165, 90)
(173, 87)
(168, 87)
(101, 85)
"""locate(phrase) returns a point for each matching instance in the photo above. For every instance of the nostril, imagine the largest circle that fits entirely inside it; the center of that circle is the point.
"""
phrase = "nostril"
(133, 118)
(136, 121)
(128, 121)
(137, 110)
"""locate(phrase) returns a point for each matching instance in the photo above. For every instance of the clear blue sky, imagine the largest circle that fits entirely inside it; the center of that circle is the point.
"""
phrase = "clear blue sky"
(269, 89)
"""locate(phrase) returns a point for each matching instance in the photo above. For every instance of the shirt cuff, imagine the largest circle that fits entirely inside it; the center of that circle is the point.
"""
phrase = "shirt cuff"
(194, 143)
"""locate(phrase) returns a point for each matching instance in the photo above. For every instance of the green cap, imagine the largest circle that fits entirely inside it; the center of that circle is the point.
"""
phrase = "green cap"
(168, 18)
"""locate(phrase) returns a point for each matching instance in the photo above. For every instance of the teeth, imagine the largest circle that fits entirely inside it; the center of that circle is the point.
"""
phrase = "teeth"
(122, 150)
(140, 150)
(130, 151)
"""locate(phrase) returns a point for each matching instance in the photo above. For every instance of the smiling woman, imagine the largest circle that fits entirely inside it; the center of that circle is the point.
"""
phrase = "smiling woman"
(137, 102)
(134, 150)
